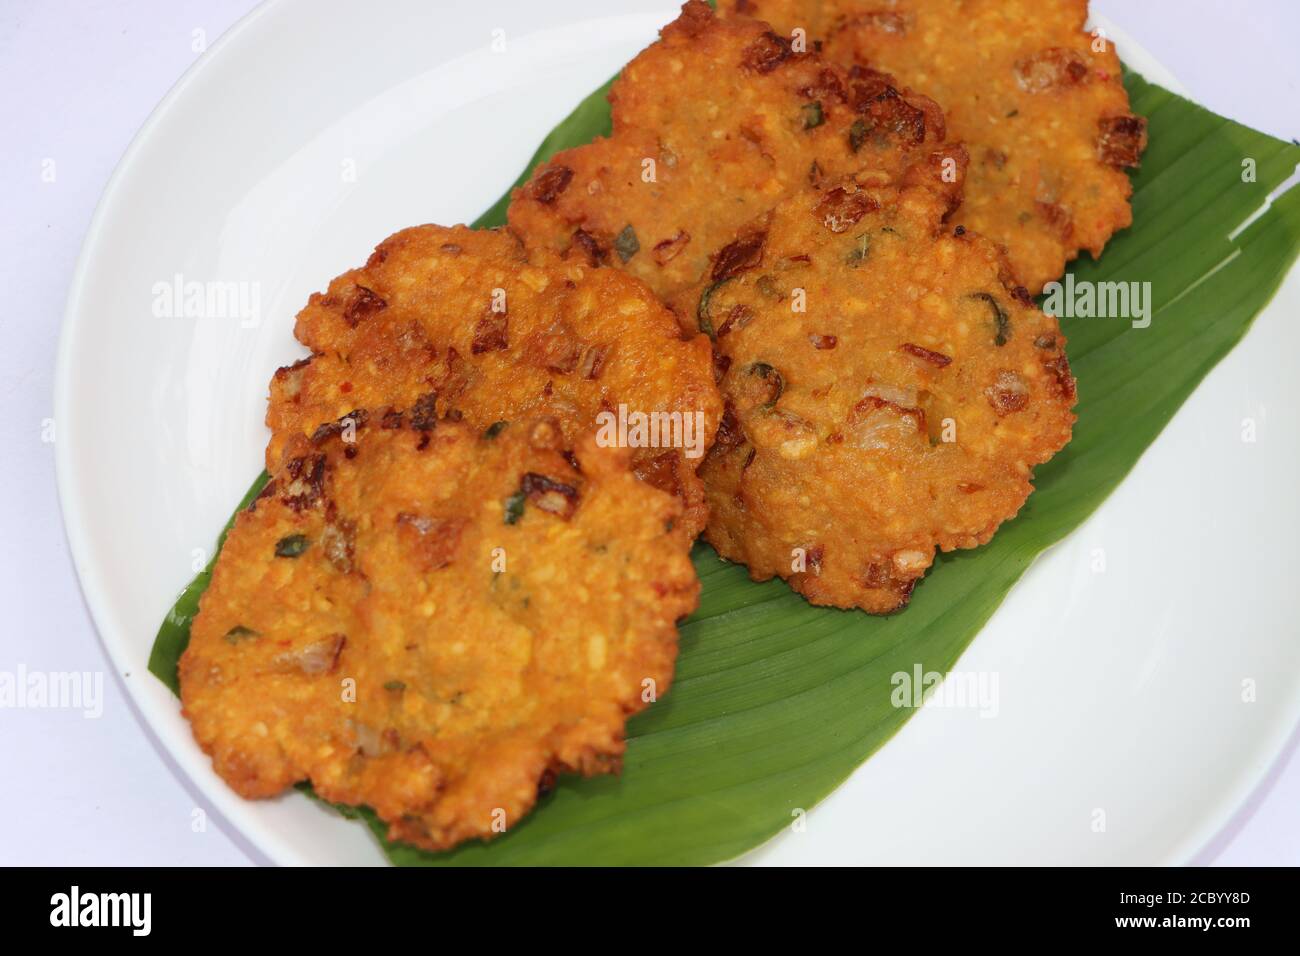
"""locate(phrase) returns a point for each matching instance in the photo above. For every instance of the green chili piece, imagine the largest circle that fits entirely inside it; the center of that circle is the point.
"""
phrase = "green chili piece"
(291, 546)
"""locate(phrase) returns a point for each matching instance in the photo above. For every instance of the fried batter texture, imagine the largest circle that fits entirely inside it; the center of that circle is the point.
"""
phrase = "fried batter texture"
(433, 623)
(888, 388)
(712, 125)
(454, 322)
(1039, 103)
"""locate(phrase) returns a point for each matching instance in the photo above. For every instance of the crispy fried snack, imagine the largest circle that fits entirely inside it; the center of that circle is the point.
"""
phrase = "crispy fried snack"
(1038, 102)
(889, 388)
(433, 623)
(712, 125)
(454, 322)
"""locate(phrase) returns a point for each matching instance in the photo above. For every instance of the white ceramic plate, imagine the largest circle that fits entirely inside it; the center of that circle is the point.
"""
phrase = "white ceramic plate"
(1119, 691)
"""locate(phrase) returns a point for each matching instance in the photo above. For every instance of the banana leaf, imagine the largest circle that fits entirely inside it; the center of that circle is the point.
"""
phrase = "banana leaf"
(775, 701)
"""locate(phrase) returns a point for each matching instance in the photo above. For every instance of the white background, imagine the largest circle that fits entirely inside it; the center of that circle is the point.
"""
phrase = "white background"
(76, 81)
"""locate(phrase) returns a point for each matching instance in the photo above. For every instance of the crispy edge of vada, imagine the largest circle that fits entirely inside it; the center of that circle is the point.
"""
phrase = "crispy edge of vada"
(289, 690)
(732, 118)
(764, 492)
(1076, 167)
(419, 324)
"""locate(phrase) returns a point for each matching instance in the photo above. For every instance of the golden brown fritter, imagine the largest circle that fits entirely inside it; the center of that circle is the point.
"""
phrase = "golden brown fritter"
(712, 125)
(454, 321)
(1038, 102)
(889, 388)
(433, 623)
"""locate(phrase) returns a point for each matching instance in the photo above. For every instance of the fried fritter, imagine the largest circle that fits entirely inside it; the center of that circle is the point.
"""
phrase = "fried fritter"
(433, 623)
(454, 322)
(889, 388)
(1039, 103)
(712, 125)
